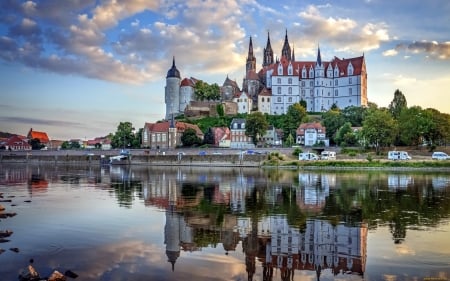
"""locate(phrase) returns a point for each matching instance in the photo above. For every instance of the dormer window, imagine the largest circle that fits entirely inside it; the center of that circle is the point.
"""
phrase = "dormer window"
(280, 69)
(290, 70)
(350, 69)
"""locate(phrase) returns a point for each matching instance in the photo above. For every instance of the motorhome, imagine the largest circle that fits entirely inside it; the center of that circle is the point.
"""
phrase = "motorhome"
(307, 156)
(328, 155)
(398, 155)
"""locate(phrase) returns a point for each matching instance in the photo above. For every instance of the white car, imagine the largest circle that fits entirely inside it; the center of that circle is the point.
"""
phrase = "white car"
(440, 156)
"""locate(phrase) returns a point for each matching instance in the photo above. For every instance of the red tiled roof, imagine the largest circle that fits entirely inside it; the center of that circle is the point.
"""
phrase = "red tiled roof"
(265, 92)
(315, 125)
(42, 136)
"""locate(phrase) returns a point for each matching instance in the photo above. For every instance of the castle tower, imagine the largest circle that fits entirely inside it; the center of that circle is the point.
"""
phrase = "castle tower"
(172, 91)
(251, 60)
(286, 51)
(268, 53)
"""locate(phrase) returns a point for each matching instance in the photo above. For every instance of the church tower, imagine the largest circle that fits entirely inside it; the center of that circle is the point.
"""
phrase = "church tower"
(286, 51)
(251, 60)
(172, 91)
(268, 53)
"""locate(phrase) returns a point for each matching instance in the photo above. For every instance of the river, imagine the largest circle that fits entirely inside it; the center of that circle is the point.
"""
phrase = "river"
(205, 223)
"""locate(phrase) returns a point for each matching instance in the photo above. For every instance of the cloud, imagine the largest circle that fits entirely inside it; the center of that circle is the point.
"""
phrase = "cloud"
(345, 34)
(390, 53)
(432, 48)
(37, 121)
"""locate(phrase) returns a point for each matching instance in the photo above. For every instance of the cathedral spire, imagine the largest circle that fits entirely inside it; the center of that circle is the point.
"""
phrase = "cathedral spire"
(251, 60)
(293, 54)
(268, 52)
(319, 57)
(286, 51)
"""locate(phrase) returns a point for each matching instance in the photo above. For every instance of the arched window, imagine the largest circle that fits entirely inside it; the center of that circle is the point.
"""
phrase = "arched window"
(290, 81)
(290, 90)
(279, 90)
(279, 80)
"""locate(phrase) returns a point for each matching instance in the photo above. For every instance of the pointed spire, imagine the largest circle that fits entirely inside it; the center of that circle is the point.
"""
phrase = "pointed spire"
(293, 54)
(268, 52)
(286, 51)
(173, 72)
(319, 57)
(251, 60)
(250, 48)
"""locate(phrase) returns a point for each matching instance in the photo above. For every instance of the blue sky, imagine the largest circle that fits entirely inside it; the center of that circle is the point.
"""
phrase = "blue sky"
(75, 69)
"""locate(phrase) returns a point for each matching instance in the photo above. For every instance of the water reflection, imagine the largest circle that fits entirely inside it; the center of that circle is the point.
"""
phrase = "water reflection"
(285, 224)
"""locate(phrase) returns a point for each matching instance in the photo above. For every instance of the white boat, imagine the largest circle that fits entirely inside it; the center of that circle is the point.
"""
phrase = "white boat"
(122, 159)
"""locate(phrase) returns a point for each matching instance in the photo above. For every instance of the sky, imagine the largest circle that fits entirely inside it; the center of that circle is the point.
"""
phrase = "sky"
(77, 68)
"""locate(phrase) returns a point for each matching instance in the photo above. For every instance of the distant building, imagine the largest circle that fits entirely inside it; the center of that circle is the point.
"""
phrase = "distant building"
(166, 135)
(16, 143)
(244, 103)
(222, 136)
(41, 136)
(309, 134)
(238, 137)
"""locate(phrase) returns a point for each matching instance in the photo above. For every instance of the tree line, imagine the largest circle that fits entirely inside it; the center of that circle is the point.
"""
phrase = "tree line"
(371, 126)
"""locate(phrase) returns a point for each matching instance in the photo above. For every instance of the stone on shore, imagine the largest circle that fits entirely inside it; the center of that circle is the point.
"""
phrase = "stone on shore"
(57, 276)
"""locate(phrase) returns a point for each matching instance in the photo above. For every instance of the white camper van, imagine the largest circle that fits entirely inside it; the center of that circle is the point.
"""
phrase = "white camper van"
(398, 155)
(308, 156)
(328, 155)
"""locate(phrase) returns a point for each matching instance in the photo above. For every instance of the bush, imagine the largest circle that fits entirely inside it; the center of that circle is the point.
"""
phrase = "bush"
(297, 151)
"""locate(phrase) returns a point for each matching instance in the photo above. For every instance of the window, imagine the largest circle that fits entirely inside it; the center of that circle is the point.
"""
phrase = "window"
(350, 91)
(268, 99)
(290, 81)
(303, 92)
(262, 99)
(303, 83)
(350, 80)
(279, 90)
(336, 93)
(335, 82)
(279, 80)
(303, 74)
(290, 99)
(311, 84)
(279, 99)
(290, 90)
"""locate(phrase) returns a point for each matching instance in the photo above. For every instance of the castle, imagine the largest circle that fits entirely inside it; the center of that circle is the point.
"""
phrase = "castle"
(281, 83)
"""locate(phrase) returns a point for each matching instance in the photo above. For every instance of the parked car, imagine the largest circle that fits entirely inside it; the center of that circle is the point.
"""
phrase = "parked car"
(438, 155)
(328, 155)
(398, 155)
(306, 156)
(202, 153)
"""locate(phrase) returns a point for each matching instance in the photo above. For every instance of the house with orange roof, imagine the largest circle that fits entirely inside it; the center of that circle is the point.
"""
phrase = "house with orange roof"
(309, 134)
(166, 135)
(41, 136)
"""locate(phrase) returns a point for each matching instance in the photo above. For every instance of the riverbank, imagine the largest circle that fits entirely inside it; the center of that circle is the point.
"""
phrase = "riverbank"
(273, 160)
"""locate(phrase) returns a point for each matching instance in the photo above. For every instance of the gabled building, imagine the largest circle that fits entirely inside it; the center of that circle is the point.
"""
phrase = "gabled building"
(264, 100)
(166, 135)
(221, 136)
(41, 136)
(309, 134)
(238, 137)
(16, 143)
(244, 102)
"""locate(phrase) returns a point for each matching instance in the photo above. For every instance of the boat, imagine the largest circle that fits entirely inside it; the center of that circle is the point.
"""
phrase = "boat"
(123, 158)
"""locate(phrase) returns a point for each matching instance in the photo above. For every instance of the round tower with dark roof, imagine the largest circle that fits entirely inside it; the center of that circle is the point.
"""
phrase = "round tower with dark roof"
(172, 91)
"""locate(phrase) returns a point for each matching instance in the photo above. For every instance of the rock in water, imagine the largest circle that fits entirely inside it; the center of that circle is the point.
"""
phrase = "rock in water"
(57, 276)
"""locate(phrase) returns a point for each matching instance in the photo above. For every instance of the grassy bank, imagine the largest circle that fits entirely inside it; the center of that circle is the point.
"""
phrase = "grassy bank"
(359, 164)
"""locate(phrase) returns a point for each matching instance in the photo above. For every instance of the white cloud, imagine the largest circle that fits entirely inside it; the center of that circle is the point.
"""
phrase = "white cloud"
(390, 53)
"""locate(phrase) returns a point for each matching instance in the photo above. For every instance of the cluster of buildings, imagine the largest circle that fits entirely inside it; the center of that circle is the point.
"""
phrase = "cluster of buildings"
(277, 85)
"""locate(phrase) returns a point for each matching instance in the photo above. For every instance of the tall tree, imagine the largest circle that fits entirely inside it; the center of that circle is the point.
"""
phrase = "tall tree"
(190, 138)
(354, 115)
(204, 91)
(294, 116)
(256, 126)
(379, 128)
(397, 104)
(124, 136)
(332, 120)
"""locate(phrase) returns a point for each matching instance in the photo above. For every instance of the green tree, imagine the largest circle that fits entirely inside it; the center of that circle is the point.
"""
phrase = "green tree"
(397, 104)
(303, 103)
(203, 91)
(35, 144)
(294, 116)
(354, 114)
(379, 128)
(332, 120)
(256, 126)
(124, 136)
(190, 138)
(344, 134)
(208, 138)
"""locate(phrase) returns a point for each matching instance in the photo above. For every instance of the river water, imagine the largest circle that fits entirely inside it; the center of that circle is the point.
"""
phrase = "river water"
(161, 223)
